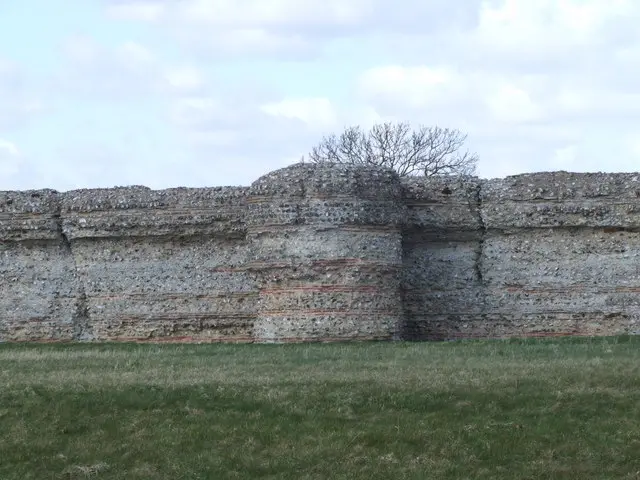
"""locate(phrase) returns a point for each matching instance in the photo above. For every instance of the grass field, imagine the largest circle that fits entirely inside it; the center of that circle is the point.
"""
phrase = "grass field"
(553, 409)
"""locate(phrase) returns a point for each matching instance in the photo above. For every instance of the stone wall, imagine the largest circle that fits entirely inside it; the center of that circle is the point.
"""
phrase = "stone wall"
(442, 256)
(529, 255)
(319, 252)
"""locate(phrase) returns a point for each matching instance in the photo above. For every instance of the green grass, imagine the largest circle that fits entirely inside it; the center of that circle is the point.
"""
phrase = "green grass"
(547, 409)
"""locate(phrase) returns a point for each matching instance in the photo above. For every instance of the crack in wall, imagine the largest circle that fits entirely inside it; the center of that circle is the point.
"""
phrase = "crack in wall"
(80, 318)
(479, 253)
(407, 328)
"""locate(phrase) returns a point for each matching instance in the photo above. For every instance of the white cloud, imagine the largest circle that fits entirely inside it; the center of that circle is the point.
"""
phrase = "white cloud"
(230, 43)
(275, 13)
(80, 48)
(10, 158)
(317, 113)
(240, 27)
(511, 104)
(184, 79)
(287, 28)
(565, 158)
(633, 145)
(128, 70)
(212, 112)
(543, 26)
(9, 149)
(194, 111)
(538, 85)
(595, 102)
(140, 10)
(316, 17)
(89, 68)
(20, 102)
(214, 138)
(411, 87)
(134, 54)
(438, 90)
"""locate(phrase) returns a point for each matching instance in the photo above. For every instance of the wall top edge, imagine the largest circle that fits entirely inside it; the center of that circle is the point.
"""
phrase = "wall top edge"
(305, 179)
(303, 170)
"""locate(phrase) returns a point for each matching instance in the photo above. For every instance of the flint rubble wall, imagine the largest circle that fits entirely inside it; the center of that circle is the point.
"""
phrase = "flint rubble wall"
(530, 255)
(319, 252)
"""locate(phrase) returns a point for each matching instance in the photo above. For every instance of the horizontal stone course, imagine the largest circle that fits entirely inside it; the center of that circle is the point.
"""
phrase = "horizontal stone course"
(561, 199)
(139, 211)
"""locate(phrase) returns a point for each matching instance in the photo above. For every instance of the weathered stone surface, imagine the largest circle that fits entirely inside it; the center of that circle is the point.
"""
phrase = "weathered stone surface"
(327, 245)
(320, 252)
(29, 215)
(38, 285)
(561, 199)
(446, 204)
(549, 254)
(140, 212)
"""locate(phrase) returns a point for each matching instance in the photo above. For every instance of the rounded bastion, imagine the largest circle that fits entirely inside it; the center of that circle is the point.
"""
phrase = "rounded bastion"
(327, 249)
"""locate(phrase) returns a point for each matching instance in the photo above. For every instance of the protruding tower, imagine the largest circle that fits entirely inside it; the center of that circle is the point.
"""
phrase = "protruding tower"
(327, 249)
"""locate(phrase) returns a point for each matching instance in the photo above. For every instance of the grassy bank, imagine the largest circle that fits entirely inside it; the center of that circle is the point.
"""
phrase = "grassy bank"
(566, 408)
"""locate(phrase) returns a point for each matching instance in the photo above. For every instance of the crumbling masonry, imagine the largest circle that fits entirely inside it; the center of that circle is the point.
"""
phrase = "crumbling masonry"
(319, 252)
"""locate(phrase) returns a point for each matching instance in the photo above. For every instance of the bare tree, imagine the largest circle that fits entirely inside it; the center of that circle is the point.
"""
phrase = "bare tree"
(426, 151)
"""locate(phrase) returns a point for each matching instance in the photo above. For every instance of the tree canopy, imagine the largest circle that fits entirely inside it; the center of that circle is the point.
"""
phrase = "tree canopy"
(423, 151)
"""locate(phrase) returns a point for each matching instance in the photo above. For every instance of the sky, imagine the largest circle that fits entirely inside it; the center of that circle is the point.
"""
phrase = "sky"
(196, 93)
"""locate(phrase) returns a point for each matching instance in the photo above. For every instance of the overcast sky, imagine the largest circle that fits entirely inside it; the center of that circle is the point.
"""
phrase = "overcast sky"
(98, 93)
